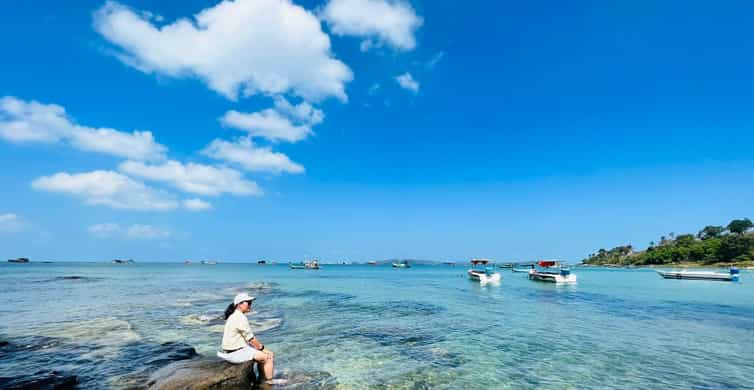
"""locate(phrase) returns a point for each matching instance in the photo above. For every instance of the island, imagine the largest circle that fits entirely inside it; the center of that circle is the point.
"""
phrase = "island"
(711, 246)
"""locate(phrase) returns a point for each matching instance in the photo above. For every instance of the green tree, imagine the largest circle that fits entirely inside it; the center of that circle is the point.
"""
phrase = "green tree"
(685, 240)
(710, 231)
(739, 226)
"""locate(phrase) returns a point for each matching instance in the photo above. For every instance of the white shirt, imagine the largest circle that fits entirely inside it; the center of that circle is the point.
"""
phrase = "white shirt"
(237, 332)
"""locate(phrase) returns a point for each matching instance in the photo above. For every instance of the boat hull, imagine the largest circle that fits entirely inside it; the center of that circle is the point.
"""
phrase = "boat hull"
(548, 277)
(715, 276)
(483, 277)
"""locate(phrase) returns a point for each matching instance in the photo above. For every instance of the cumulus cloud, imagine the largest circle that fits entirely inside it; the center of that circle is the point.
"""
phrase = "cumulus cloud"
(268, 124)
(30, 121)
(284, 122)
(194, 178)
(107, 188)
(391, 22)
(236, 47)
(250, 157)
(10, 223)
(406, 81)
(136, 231)
(197, 204)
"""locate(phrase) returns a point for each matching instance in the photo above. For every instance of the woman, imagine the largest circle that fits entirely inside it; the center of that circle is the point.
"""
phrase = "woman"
(239, 343)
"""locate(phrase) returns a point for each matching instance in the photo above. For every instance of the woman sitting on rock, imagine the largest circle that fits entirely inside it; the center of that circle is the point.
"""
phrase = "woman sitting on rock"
(239, 344)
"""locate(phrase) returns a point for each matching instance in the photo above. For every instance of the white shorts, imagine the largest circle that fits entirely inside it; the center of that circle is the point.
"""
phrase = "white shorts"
(243, 355)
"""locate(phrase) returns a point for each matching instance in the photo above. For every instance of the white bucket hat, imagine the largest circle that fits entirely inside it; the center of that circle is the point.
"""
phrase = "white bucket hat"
(242, 297)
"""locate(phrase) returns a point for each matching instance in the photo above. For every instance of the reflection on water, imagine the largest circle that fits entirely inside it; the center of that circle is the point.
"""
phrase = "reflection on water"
(360, 326)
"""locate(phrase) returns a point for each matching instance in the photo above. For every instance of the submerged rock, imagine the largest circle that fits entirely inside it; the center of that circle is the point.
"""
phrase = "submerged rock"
(216, 374)
(42, 380)
(202, 374)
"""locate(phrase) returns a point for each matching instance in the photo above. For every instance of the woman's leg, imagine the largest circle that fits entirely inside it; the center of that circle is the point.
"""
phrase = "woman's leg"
(267, 359)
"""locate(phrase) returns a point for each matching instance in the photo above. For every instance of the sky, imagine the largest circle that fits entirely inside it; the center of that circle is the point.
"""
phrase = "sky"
(370, 129)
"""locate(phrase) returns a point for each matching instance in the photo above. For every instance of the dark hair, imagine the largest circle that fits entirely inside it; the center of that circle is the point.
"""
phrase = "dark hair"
(229, 310)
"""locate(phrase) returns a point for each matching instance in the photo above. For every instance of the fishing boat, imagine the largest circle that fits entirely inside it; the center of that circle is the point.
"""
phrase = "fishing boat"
(19, 260)
(552, 272)
(480, 272)
(731, 276)
(401, 264)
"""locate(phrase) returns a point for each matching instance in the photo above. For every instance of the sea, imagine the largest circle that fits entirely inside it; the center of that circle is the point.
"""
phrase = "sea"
(363, 327)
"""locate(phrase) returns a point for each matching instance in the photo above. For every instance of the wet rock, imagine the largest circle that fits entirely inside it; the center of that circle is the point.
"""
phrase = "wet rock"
(202, 374)
(42, 380)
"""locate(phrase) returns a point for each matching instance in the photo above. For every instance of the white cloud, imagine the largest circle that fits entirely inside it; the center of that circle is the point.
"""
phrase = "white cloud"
(197, 204)
(194, 178)
(104, 230)
(10, 223)
(251, 157)
(407, 81)
(27, 122)
(302, 112)
(241, 46)
(391, 22)
(268, 124)
(107, 188)
(147, 232)
(136, 231)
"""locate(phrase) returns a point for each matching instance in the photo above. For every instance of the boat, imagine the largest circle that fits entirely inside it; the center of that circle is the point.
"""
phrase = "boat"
(505, 265)
(313, 264)
(731, 276)
(20, 260)
(552, 272)
(523, 270)
(401, 264)
(450, 264)
(262, 262)
(480, 272)
(208, 262)
(372, 262)
(187, 262)
(120, 261)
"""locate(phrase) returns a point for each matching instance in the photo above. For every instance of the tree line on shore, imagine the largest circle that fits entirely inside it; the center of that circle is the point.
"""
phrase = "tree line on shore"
(731, 244)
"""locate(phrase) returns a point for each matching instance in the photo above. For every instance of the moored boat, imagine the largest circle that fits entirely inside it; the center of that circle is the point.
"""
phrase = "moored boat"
(481, 272)
(731, 276)
(523, 270)
(401, 264)
(19, 260)
(552, 272)
(313, 264)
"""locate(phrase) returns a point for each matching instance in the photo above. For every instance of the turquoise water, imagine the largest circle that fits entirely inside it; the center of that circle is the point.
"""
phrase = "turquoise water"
(374, 326)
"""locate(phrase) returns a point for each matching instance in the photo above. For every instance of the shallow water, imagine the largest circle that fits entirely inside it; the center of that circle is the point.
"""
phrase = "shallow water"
(374, 326)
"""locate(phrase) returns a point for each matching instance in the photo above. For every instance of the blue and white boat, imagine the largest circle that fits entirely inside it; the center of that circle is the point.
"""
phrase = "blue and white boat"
(731, 276)
(480, 272)
(552, 272)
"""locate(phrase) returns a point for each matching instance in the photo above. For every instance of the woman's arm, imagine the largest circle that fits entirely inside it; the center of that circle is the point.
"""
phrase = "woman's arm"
(256, 344)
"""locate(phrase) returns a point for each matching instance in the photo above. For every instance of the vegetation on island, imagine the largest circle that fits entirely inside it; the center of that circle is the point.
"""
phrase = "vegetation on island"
(731, 244)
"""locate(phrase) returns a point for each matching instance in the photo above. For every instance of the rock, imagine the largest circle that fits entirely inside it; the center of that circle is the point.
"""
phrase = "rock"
(42, 380)
(202, 374)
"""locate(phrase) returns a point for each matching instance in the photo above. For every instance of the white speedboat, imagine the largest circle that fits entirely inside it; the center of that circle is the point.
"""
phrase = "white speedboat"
(731, 276)
(481, 273)
(552, 272)
(401, 264)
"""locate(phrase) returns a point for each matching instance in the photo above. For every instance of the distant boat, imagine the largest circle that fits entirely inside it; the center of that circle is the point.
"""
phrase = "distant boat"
(187, 262)
(450, 263)
(262, 262)
(480, 272)
(120, 261)
(552, 272)
(208, 262)
(312, 264)
(401, 264)
(505, 265)
(731, 276)
(19, 260)
(525, 270)
(372, 262)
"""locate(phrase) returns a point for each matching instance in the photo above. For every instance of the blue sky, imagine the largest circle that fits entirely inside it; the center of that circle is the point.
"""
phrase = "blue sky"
(526, 130)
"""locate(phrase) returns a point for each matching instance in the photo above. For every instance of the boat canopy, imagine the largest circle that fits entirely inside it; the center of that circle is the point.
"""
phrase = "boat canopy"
(479, 261)
(547, 263)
